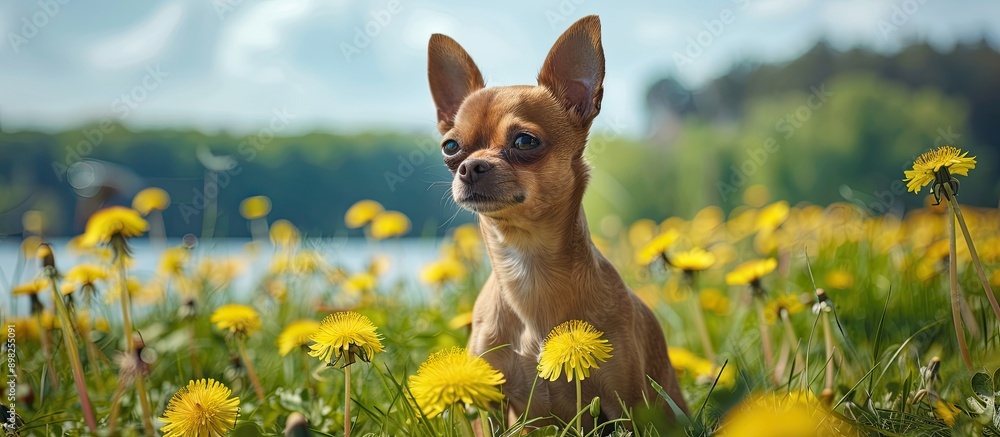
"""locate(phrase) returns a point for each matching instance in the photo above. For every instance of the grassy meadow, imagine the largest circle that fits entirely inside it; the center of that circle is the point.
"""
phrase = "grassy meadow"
(758, 349)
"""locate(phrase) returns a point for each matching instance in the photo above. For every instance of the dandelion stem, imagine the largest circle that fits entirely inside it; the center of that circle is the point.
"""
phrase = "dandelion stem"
(579, 406)
(699, 322)
(115, 403)
(953, 285)
(74, 356)
(347, 399)
(307, 373)
(828, 337)
(250, 372)
(793, 340)
(121, 252)
(765, 336)
(47, 351)
(953, 202)
(140, 386)
(195, 365)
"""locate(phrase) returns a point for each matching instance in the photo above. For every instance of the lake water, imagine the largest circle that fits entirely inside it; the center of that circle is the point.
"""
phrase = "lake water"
(407, 256)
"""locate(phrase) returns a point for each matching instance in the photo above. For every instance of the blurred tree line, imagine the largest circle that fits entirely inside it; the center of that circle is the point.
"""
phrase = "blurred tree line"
(828, 126)
(311, 179)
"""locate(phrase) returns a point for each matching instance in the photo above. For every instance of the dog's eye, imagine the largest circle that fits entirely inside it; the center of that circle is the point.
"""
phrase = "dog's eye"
(450, 147)
(526, 142)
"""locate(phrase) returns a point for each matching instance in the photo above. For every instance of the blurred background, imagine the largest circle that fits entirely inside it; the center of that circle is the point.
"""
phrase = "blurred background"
(319, 104)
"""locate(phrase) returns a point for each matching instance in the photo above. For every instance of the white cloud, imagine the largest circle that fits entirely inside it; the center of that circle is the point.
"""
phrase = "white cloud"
(661, 30)
(764, 9)
(251, 39)
(140, 43)
(855, 19)
(424, 22)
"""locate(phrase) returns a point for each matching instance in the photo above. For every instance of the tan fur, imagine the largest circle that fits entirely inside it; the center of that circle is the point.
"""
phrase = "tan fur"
(546, 270)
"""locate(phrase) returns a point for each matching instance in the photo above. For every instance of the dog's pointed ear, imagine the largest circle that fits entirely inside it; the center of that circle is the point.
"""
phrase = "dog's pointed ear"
(453, 76)
(574, 69)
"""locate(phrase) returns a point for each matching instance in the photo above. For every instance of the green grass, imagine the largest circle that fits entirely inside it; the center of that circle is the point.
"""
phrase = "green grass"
(888, 324)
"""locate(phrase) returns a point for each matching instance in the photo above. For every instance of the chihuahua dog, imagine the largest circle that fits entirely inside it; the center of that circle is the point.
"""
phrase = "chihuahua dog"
(516, 153)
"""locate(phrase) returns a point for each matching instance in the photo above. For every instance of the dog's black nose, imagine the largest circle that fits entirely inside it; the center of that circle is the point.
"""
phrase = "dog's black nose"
(472, 169)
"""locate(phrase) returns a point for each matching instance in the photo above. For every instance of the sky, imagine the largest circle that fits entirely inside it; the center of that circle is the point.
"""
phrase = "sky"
(349, 66)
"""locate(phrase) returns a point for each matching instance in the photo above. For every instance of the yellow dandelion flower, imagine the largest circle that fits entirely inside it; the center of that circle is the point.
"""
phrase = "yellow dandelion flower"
(460, 321)
(87, 274)
(700, 369)
(345, 333)
(751, 271)
(49, 321)
(692, 260)
(742, 222)
(30, 246)
(255, 207)
(685, 361)
(772, 216)
(361, 283)
(111, 222)
(926, 167)
(309, 262)
(202, 408)
(173, 260)
(362, 213)
(946, 412)
(296, 335)
(84, 277)
(31, 288)
(379, 265)
(574, 346)
(114, 293)
(389, 224)
(276, 289)
(656, 247)
(452, 376)
(468, 242)
(756, 195)
(713, 300)
(86, 323)
(24, 326)
(150, 199)
(102, 325)
(219, 272)
(640, 232)
(443, 271)
(779, 414)
(785, 302)
(33, 222)
(705, 222)
(237, 319)
(839, 279)
(284, 234)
